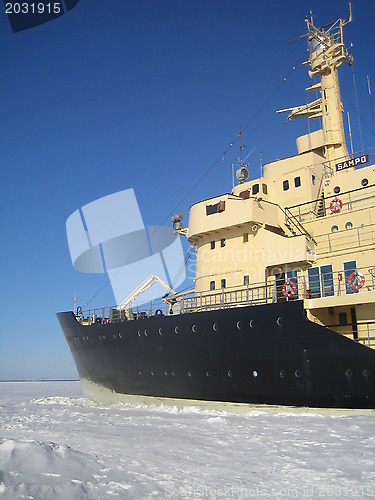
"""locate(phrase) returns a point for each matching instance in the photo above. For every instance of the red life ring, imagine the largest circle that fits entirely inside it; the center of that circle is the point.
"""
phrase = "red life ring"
(356, 280)
(335, 205)
(289, 288)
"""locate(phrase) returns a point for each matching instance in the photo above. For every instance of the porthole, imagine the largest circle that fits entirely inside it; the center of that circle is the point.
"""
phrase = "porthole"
(193, 329)
(366, 373)
(139, 333)
(214, 327)
(173, 373)
(349, 225)
(278, 321)
(334, 229)
(160, 331)
(103, 337)
(229, 374)
(348, 373)
(175, 329)
(251, 323)
(238, 324)
(166, 374)
(336, 190)
(139, 373)
(364, 182)
(152, 373)
(145, 332)
(297, 373)
(207, 374)
(114, 336)
(255, 373)
(282, 374)
(189, 374)
(120, 335)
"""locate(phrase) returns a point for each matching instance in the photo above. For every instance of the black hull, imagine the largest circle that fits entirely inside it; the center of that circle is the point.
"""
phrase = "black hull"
(258, 354)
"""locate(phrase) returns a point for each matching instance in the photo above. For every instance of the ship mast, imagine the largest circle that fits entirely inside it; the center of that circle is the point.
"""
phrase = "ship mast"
(327, 54)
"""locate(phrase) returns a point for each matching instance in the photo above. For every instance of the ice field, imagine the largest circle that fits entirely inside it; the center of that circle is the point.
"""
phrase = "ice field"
(55, 444)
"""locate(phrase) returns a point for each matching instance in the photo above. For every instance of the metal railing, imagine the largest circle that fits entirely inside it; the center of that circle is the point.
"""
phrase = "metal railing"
(335, 284)
(351, 200)
(362, 332)
(229, 297)
(318, 285)
(345, 239)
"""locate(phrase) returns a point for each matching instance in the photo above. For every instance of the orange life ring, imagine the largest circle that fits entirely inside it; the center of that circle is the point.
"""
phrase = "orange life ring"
(335, 205)
(356, 280)
(289, 288)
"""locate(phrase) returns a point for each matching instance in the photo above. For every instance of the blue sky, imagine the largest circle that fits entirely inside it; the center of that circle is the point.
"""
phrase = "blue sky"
(121, 94)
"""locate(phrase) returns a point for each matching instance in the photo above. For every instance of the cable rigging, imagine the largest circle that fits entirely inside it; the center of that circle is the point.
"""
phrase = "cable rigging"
(219, 159)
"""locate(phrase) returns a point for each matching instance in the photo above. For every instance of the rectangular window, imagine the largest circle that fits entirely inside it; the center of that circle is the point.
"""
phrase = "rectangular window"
(255, 189)
(216, 208)
(314, 282)
(212, 245)
(321, 281)
(349, 268)
(343, 320)
(246, 279)
(313, 179)
(223, 283)
(292, 276)
(212, 285)
(326, 276)
(245, 238)
(297, 182)
(245, 194)
(222, 242)
(264, 187)
(285, 185)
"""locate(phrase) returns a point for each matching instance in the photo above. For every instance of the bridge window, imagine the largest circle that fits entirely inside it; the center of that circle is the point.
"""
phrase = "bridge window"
(222, 242)
(327, 280)
(245, 237)
(255, 189)
(297, 182)
(285, 185)
(321, 281)
(314, 282)
(264, 187)
(223, 283)
(212, 245)
(292, 275)
(349, 268)
(246, 279)
(212, 285)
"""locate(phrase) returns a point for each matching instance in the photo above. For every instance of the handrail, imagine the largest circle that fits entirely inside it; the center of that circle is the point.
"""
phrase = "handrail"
(319, 286)
(289, 216)
(293, 220)
(362, 188)
(345, 239)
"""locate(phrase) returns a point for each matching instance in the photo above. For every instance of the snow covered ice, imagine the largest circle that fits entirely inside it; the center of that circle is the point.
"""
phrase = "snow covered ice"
(55, 444)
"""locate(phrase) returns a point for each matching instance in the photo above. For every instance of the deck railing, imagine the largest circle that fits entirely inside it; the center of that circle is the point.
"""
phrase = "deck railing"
(345, 239)
(355, 199)
(362, 332)
(320, 285)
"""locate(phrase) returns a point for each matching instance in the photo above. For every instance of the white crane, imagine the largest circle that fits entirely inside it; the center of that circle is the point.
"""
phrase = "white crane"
(145, 285)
